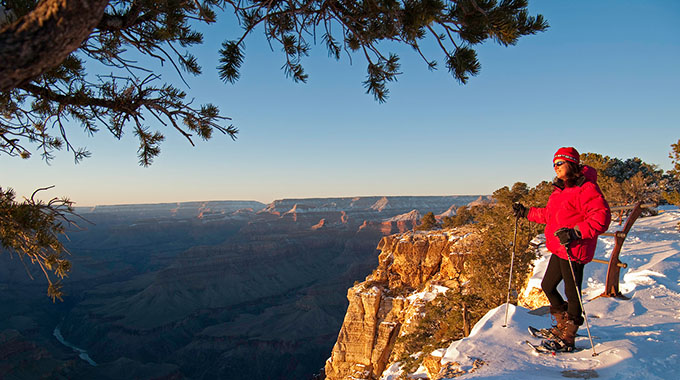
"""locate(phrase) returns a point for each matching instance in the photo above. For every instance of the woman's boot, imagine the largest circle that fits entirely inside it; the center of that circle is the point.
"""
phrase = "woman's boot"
(564, 342)
(568, 337)
(560, 315)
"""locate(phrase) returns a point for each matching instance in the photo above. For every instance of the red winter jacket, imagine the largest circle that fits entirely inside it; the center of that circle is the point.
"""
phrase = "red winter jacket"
(582, 207)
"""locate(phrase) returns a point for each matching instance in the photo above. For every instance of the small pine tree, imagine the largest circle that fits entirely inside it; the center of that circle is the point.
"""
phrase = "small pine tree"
(428, 222)
(464, 215)
(444, 320)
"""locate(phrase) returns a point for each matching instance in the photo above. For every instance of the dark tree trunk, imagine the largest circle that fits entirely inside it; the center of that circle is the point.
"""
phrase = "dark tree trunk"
(466, 321)
(43, 38)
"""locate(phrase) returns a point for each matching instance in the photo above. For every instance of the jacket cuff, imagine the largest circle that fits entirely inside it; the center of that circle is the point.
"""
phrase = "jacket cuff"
(577, 229)
(579, 232)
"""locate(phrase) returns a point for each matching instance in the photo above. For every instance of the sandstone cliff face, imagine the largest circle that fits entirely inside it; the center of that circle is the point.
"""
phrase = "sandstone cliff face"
(413, 267)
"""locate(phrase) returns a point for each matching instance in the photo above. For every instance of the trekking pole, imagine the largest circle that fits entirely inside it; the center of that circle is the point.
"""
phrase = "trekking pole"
(512, 262)
(583, 309)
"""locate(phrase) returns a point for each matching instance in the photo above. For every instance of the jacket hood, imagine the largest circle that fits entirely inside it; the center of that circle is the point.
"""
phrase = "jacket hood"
(590, 173)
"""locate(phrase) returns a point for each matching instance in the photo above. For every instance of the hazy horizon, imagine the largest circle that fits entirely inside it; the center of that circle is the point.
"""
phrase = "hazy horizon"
(280, 199)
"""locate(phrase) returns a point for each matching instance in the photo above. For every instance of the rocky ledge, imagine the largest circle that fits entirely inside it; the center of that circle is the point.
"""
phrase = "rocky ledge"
(413, 268)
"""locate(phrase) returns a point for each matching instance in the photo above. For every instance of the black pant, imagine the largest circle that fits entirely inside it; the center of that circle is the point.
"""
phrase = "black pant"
(557, 271)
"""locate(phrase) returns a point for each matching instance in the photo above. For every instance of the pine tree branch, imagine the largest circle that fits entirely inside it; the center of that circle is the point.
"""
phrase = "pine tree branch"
(133, 17)
(80, 101)
(32, 229)
(441, 45)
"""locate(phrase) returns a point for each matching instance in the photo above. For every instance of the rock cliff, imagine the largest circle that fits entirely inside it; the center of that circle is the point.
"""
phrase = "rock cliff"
(413, 268)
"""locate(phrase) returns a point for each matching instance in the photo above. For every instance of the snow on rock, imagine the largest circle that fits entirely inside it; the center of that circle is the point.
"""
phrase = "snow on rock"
(448, 213)
(412, 215)
(380, 204)
(634, 339)
(428, 295)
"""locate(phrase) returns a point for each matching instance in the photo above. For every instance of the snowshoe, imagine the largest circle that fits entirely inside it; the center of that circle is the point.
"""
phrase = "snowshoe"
(551, 347)
(556, 345)
(542, 333)
(539, 348)
(545, 333)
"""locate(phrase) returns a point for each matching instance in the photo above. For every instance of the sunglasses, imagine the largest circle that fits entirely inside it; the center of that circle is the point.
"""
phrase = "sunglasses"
(559, 163)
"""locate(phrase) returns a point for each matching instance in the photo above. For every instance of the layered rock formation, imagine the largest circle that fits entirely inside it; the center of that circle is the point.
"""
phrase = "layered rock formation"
(413, 267)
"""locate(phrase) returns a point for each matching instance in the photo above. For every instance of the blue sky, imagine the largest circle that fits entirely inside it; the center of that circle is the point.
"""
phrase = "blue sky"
(603, 78)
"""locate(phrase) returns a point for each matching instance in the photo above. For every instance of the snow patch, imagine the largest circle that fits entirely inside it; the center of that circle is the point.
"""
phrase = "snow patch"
(427, 296)
(412, 215)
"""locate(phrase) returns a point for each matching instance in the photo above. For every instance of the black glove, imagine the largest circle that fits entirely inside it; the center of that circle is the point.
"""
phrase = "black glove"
(519, 210)
(567, 235)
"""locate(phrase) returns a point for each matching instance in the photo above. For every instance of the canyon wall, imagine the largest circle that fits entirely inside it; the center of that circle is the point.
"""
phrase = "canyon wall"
(413, 267)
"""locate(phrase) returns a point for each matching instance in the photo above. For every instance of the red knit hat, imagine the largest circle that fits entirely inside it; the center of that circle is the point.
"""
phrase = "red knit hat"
(568, 154)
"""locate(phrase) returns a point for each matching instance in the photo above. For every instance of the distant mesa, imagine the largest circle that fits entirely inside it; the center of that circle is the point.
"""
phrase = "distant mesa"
(244, 211)
(398, 223)
(300, 208)
(381, 204)
(448, 213)
(481, 201)
(178, 210)
(371, 204)
(203, 212)
(412, 215)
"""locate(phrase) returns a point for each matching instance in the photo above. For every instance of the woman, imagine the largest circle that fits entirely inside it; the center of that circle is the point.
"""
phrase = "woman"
(576, 213)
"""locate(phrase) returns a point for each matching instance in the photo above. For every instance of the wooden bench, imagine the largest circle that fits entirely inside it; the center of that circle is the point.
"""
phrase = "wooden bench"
(611, 287)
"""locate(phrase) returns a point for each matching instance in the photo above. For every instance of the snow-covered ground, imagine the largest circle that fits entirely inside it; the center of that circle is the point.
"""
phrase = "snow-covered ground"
(636, 339)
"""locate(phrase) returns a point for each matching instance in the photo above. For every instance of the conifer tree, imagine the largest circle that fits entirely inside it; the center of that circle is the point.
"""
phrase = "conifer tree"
(490, 264)
(428, 222)
(626, 181)
(464, 215)
(47, 49)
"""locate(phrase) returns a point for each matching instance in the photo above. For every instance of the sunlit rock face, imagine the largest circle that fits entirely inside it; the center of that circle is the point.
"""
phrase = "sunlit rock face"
(413, 268)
